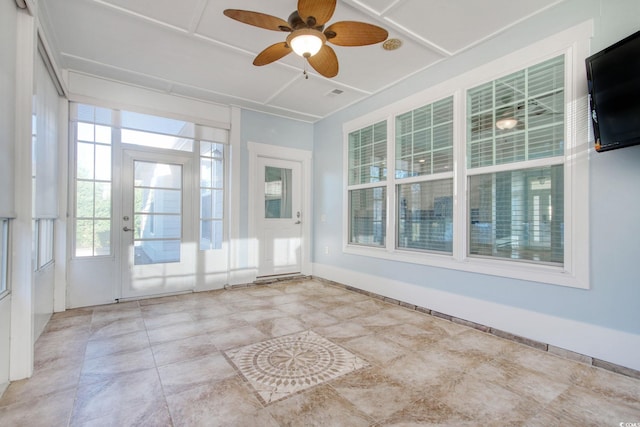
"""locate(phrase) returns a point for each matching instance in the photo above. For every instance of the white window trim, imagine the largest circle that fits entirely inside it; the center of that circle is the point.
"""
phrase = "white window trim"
(574, 44)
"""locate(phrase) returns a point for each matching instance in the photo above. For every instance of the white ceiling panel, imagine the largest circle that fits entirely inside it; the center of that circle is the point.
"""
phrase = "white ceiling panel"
(455, 25)
(190, 48)
(179, 14)
(314, 96)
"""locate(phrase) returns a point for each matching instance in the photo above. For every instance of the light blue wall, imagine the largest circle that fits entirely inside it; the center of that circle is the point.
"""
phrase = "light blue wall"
(265, 129)
(614, 297)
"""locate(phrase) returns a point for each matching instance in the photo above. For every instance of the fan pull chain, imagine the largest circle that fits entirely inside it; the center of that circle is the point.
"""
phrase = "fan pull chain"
(306, 76)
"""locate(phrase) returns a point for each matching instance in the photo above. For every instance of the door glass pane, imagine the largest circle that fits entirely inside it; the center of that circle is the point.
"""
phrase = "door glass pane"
(277, 192)
(157, 212)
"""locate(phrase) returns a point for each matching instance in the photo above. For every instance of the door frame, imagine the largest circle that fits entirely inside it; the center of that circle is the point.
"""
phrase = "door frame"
(260, 150)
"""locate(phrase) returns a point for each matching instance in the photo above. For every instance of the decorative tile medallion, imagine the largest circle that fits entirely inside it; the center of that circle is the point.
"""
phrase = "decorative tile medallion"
(278, 367)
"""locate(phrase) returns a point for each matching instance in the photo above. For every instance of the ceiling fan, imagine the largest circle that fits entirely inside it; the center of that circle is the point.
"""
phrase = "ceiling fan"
(308, 36)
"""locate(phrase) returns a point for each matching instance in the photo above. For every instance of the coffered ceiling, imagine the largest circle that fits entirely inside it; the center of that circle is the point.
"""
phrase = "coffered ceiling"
(189, 48)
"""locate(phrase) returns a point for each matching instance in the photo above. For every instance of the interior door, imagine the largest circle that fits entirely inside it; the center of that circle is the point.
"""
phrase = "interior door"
(279, 216)
(158, 246)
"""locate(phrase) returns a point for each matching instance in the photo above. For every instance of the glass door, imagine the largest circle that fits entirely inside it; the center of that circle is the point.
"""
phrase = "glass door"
(158, 248)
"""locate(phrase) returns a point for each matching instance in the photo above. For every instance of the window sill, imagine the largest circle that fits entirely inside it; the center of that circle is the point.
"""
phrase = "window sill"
(493, 267)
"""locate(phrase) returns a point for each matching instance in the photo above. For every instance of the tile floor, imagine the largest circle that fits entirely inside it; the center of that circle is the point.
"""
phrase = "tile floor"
(179, 361)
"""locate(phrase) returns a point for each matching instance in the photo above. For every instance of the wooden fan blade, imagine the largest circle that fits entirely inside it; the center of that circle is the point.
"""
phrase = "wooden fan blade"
(258, 19)
(325, 62)
(272, 53)
(320, 10)
(354, 33)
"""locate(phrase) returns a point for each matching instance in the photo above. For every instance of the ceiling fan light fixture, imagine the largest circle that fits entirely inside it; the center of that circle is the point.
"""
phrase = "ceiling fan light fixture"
(507, 123)
(306, 42)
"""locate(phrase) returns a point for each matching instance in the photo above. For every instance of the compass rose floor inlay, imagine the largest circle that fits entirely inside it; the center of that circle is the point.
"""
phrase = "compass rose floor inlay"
(281, 366)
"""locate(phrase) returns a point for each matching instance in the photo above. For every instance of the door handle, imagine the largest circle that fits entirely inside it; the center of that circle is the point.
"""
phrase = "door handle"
(125, 228)
(298, 222)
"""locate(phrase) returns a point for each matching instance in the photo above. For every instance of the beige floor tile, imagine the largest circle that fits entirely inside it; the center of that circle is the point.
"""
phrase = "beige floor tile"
(374, 393)
(169, 362)
(184, 349)
(127, 397)
(320, 406)
(180, 376)
(103, 368)
(51, 410)
(225, 403)
(118, 344)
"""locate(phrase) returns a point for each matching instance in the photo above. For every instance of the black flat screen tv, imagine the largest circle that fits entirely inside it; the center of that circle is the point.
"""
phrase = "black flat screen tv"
(613, 77)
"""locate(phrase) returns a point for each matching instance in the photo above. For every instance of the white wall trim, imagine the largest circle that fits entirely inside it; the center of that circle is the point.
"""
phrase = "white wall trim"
(21, 347)
(304, 157)
(614, 346)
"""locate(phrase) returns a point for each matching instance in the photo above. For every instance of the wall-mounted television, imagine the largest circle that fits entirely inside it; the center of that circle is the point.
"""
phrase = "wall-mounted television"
(613, 76)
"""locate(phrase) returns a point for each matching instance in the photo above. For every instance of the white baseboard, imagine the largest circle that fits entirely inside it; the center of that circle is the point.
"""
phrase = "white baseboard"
(610, 345)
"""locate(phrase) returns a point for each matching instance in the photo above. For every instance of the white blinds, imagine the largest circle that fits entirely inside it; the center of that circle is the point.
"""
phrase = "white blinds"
(424, 140)
(368, 154)
(518, 117)
(45, 136)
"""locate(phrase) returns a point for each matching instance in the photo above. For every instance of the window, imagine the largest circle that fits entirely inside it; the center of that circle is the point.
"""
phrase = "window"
(93, 181)
(44, 242)
(212, 172)
(100, 131)
(486, 172)
(367, 197)
(516, 212)
(424, 173)
(4, 255)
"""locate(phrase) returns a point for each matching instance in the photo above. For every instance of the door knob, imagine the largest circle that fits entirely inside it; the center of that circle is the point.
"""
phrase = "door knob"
(125, 228)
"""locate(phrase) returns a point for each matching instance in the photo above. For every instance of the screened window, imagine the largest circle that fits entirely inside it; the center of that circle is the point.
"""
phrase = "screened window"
(516, 212)
(424, 171)
(93, 181)
(4, 255)
(367, 197)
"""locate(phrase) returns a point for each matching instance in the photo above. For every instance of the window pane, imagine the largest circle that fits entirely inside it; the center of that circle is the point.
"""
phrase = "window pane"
(425, 216)
(277, 192)
(84, 237)
(159, 201)
(517, 117)
(518, 215)
(103, 163)
(156, 251)
(103, 134)
(163, 125)
(368, 216)
(84, 161)
(4, 254)
(210, 234)
(45, 242)
(149, 226)
(424, 140)
(85, 132)
(157, 175)
(102, 237)
(368, 154)
(103, 200)
(150, 139)
(84, 199)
